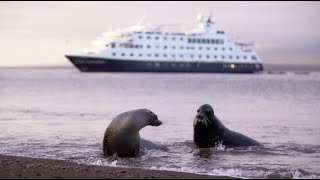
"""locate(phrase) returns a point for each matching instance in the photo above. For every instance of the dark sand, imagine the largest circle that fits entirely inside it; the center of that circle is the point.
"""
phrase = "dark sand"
(22, 168)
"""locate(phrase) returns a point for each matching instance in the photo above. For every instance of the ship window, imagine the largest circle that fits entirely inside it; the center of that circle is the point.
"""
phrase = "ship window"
(253, 57)
(181, 47)
(148, 46)
(217, 41)
(198, 40)
(237, 57)
(114, 54)
(215, 56)
(173, 55)
(156, 55)
(208, 48)
(140, 37)
(212, 41)
(200, 56)
(165, 38)
(181, 39)
(203, 41)
(200, 48)
(222, 57)
(208, 56)
(140, 55)
(113, 45)
(230, 49)
(131, 54)
(221, 40)
(189, 40)
(164, 47)
(223, 49)
(123, 54)
(173, 47)
(157, 47)
(230, 57)
(181, 56)
(165, 55)
(208, 41)
(173, 38)
(149, 55)
(215, 48)
(148, 37)
(244, 57)
(191, 56)
(156, 37)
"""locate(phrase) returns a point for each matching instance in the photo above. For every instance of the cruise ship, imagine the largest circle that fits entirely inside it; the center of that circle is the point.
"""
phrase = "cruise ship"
(203, 49)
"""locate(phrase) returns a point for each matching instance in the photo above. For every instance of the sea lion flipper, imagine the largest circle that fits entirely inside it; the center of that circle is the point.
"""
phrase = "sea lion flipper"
(147, 145)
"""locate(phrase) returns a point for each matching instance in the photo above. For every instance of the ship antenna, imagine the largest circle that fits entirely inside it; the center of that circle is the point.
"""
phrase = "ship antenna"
(209, 19)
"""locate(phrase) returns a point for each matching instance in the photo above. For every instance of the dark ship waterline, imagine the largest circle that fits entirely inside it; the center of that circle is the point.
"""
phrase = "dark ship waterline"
(90, 64)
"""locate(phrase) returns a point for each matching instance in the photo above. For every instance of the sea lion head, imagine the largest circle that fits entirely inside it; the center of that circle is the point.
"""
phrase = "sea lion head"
(150, 118)
(204, 115)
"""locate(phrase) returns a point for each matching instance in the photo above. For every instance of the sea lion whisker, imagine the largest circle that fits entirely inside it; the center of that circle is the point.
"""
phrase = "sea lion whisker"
(205, 122)
(208, 120)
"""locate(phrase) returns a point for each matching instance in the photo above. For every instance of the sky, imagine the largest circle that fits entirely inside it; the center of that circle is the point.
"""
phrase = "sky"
(41, 33)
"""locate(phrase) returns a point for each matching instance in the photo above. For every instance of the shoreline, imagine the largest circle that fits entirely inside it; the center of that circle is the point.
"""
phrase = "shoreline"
(26, 168)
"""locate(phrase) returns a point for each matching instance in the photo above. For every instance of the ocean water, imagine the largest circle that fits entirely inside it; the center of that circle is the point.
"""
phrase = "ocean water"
(62, 114)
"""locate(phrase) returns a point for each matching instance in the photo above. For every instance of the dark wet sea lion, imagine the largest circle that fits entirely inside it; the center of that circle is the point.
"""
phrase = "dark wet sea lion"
(209, 131)
(122, 135)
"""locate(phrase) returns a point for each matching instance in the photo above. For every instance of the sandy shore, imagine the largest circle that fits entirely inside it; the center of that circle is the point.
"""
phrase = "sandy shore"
(22, 168)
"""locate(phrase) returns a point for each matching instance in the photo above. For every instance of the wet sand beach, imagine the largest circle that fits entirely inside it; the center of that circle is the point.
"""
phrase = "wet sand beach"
(27, 168)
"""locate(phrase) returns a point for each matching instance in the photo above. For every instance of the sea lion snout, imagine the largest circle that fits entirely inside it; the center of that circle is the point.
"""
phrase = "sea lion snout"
(200, 116)
(156, 123)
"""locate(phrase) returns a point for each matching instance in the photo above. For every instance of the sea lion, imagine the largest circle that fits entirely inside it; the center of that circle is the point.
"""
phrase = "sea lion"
(122, 135)
(209, 131)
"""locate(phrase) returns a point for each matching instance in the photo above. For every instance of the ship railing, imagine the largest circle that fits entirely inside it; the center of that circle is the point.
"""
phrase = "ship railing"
(246, 47)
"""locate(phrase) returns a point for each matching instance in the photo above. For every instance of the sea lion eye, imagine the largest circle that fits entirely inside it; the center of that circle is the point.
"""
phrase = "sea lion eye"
(198, 110)
(150, 112)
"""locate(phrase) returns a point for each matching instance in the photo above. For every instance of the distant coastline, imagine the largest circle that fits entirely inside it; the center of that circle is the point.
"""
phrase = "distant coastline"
(292, 67)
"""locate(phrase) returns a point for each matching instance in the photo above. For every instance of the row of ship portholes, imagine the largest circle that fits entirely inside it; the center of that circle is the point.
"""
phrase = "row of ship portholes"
(189, 56)
(190, 40)
(133, 46)
(174, 65)
(188, 65)
(164, 38)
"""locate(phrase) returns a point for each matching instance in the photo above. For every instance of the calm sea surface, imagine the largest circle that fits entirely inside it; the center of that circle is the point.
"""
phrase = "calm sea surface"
(62, 114)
